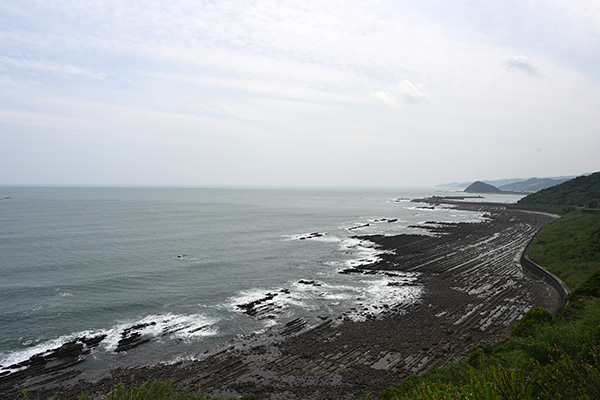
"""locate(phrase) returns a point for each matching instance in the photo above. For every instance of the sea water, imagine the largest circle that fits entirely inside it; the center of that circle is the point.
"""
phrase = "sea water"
(85, 261)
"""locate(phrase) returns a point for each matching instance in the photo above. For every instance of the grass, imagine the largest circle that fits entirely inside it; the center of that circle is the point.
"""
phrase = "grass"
(152, 390)
(155, 390)
(569, 247)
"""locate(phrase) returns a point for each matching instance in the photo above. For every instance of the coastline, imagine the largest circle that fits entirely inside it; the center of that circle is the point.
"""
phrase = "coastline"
(475, 289)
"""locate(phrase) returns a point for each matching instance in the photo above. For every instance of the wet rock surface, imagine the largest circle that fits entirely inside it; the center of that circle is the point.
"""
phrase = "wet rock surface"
(131, 337)
(260, 306)
(53, 365)
(474, 290)
(312, 235)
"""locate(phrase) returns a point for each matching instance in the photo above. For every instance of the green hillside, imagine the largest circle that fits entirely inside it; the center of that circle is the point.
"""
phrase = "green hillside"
(583, 191)
(531, 185)
(570, 247)
(481, 187)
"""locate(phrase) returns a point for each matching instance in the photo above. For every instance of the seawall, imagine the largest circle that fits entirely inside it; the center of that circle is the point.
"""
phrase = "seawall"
(544, 275)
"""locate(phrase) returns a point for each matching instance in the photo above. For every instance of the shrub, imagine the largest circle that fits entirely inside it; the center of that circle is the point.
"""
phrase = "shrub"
(479, 354)
(530, 323)
(589, 288)
(155, 390)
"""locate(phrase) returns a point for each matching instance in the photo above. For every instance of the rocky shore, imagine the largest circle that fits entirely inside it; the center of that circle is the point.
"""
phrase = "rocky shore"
(474, 290)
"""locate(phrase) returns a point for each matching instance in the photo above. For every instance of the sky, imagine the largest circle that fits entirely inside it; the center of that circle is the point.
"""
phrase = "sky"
(331, 93)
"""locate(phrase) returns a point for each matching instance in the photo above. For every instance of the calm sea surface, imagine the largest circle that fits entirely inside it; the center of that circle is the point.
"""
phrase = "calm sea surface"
(86, 261)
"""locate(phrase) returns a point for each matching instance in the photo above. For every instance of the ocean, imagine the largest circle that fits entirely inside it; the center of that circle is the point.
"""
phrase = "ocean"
(184, 267)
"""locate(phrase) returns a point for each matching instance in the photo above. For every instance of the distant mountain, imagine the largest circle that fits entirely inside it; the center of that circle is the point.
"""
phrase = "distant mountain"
(496, 182)
(500, 183)
(481, 187)
(532, 185)
(462, 185)
(583, 191)
(454, 185)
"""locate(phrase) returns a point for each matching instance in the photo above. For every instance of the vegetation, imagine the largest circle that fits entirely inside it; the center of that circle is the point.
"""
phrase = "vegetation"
(570, 247)
(583, 191)
(152, 390)
(532, 185)
(481, 187)
(156, 390)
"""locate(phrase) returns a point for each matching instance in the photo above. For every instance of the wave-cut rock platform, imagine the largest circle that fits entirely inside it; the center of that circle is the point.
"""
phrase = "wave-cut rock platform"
(475, 289)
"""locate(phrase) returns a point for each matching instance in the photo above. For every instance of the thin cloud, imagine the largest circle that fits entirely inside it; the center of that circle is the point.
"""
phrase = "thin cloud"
(411, 93)
(283, 89)
(385, 97)
(50, 66)
(39, 120)
(214, 77)
(522, 63)
(404, 92)
(6, 80)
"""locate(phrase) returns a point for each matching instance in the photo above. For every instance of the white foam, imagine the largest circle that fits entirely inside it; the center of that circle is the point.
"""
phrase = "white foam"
(246, 296)
(267, 323)
(63, 293)
(378, 293)
(174, 325)
(387, 226)
(281, 302)
(10, 358)
(313, 236)
(297, 299)
(338, 296)
(364, 252)
(419, 208)
(177, 326)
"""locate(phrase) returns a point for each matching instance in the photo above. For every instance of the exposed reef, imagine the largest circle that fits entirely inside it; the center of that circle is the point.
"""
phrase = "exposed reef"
(474, 290)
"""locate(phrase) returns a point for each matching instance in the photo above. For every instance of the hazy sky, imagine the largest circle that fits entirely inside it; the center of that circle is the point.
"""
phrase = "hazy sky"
(394, 93)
